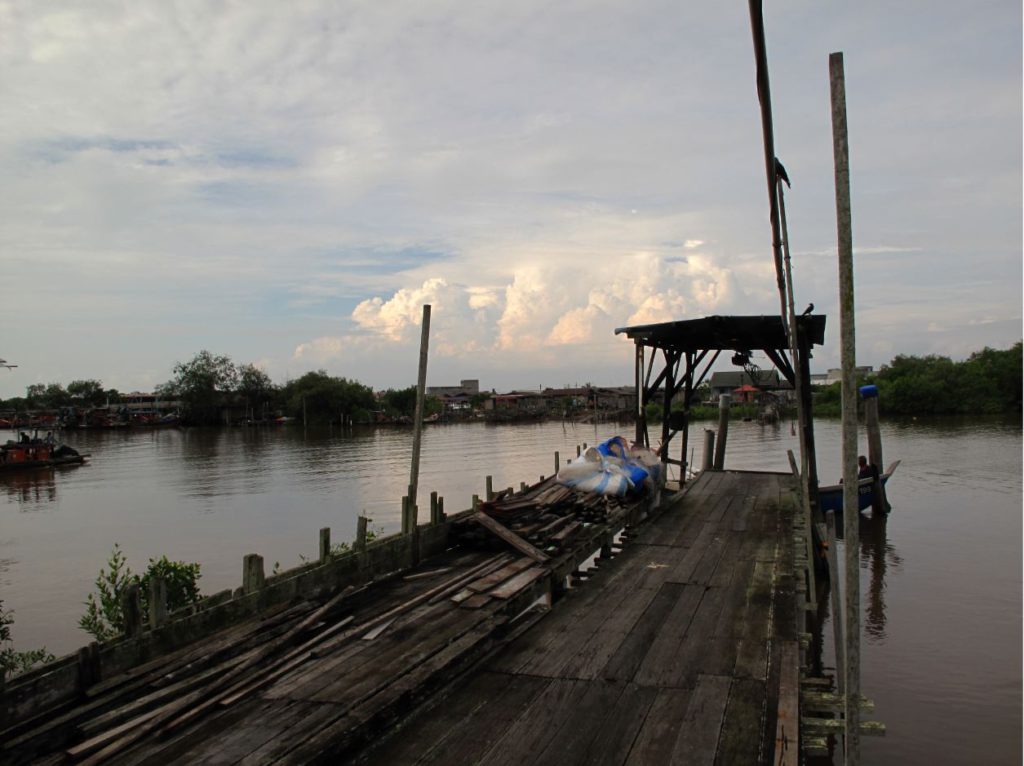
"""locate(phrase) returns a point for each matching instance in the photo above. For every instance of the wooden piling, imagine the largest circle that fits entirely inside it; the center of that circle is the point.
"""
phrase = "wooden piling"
(489, 488)
(360, 544)
(879, 502)
(435, 518)
(709, 450)
(131, 606)
(476, 502)
(421, 386)
(558, 464)
(837, 601)
(252, 573)
(325, 544)
(440, 508)
(848, 355)
(723, 430)
(157, 602)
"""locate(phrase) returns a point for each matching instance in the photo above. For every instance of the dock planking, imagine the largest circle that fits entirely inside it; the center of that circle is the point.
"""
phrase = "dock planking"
(668, 654)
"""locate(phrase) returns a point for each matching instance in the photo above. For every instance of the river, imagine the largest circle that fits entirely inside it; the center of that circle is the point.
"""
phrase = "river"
(941, 578)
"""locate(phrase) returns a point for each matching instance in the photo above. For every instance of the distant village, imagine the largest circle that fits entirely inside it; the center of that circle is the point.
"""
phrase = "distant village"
(450, 403)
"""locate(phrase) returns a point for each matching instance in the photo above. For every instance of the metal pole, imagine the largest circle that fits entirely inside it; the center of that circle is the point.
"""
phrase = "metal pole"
(848, 354)
(417, 427)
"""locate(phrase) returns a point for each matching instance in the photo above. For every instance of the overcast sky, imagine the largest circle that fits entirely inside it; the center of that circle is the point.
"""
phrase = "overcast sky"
(288, 183)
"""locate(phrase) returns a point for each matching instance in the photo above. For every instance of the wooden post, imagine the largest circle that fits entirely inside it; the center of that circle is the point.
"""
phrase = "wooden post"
(578, 451)
(879, 502)
(421, 387)
(558, 465)
(360, 534)
(252, 573)
(131, 606)
(723, 430)
(489, 488)
(522, 486)
(405, 515)
(435, 518)
(837, 601)
(709, 450)
(325, 544)
(440, 508)
(476, 502)
(639, 374)
(157, 602)
(848, 355)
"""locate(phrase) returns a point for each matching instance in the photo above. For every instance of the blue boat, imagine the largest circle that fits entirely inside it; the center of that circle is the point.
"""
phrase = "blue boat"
(830, 498)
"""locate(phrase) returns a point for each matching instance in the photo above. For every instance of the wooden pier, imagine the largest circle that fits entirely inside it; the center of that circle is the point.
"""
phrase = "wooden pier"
(679, 646)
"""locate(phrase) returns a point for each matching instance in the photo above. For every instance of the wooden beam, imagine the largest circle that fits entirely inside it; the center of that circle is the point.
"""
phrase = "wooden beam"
(510, 537)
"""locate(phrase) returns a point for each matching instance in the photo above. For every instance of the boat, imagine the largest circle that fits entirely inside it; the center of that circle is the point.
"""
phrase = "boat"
(37, 453)
(830, 498)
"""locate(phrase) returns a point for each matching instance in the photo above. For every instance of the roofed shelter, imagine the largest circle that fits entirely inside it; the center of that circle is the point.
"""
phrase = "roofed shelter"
(674, 357)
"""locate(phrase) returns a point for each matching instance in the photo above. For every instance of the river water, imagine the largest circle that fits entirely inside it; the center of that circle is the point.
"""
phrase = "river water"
(940, 579)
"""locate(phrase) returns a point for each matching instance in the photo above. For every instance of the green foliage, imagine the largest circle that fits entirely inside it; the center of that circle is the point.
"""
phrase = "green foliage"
(987, 382)
(200, 384)
(372, 533)
(326, 397)
(13, 662)
(104, 616)
(400, 401)
(255, 385)
(104, 611)
(89, 392)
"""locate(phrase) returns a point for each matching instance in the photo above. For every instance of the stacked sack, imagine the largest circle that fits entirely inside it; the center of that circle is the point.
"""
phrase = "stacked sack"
(613, 468)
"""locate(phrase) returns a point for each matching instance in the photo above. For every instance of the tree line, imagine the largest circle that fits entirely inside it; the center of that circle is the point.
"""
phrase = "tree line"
(988, 382)
(208, 382)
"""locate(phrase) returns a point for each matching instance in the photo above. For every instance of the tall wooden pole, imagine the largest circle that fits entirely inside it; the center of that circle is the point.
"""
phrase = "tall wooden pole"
(848, 355)
(417, 427)
(764, 96)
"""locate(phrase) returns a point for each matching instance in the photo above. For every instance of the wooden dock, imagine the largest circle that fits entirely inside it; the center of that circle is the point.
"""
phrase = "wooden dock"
(679, 647)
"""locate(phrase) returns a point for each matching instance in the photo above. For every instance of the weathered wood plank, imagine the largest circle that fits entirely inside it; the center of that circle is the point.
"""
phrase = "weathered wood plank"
(510, 537)
(496, 578)
(511, 587)
(700, 728)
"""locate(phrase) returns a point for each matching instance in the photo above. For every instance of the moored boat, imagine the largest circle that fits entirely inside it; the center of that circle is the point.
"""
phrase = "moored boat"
(830, 498)
(26, 455)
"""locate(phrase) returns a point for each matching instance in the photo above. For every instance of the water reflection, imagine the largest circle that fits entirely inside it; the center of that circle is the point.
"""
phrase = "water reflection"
(31, 490)
(877, 554)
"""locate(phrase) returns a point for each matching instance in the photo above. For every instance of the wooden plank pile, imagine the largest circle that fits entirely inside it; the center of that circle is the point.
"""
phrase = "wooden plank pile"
(547, 516)
(354, 661)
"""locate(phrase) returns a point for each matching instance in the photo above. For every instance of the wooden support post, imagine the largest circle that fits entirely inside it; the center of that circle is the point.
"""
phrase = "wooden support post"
(440, 508)
(558, 464)
(848, 355)
(157, 602)
(879, 502)
(476, 502)
(489, 488)
(325, 544)
(709, 450)
(578, 451)
(435, 518)
(421, 387)
(406, 526)
(88, 665)
(131, 606)
(837, 601)
(522, 486)
(805, 507)
(360, 534)
(723, 430)
(252, 573)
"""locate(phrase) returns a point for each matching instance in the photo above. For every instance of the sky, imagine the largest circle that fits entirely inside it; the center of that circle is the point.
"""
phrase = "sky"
(288, 183)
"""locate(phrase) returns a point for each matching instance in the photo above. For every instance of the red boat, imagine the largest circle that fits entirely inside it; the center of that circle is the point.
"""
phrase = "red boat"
(36, 453)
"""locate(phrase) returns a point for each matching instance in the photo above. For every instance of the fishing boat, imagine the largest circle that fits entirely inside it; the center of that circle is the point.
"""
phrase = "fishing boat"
(37, 453)
(830, 498)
